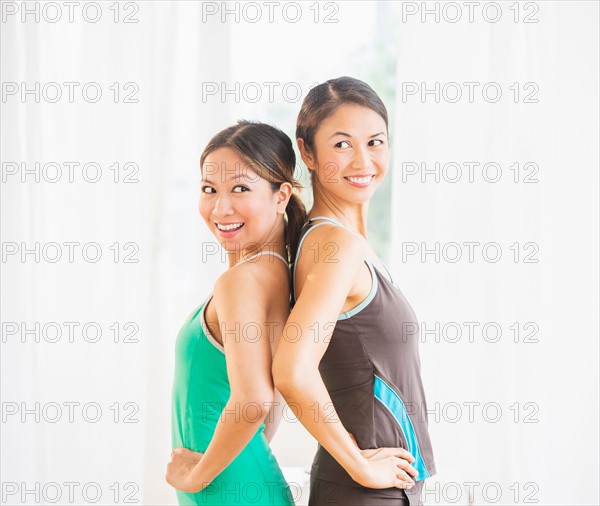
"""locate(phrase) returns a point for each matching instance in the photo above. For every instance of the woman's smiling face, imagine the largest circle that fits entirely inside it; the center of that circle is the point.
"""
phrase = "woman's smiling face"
(350, 155)
(239, 207)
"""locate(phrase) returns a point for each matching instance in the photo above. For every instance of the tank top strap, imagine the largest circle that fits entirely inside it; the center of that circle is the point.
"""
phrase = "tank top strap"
(368, 261)
(390, 278)
(332, 222)
(326, 220)
(265, 252)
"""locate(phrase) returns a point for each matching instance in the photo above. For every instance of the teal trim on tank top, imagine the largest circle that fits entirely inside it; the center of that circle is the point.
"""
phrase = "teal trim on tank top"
(394, 404)
(374, 284)
(390, 278)
(205, 328)
(368, 298)
(310, 229)
(264, 252)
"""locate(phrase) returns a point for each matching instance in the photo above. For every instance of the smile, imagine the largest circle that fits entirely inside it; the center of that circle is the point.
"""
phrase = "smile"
(226, 227)
(360, 180)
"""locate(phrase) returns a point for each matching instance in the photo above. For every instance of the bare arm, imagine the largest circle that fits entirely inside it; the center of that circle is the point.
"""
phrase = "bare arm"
(273, 420)
(275, 415)
(248, 369)
(295, 366)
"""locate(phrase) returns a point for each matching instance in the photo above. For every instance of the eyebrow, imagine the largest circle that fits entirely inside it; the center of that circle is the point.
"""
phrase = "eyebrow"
(232, 178)
(348, 135)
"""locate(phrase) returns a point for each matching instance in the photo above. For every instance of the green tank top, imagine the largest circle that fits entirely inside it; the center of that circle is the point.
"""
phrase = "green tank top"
(200, 391)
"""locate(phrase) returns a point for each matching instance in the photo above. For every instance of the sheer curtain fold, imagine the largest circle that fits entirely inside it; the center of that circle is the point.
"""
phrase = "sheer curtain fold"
(164, 58)
(549, 411)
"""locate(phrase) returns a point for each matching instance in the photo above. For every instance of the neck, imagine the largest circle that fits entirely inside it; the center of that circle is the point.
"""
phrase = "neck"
(274, 243)
(353, 216)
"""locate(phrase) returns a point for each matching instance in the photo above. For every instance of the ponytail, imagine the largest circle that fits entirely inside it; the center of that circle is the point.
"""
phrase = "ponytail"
(296, 217)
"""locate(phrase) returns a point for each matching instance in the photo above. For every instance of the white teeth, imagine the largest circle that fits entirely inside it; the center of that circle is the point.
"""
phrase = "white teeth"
(360, 180)
(231, 226)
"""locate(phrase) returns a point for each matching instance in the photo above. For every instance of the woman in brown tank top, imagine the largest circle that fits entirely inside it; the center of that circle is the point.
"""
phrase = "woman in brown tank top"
(348, 360)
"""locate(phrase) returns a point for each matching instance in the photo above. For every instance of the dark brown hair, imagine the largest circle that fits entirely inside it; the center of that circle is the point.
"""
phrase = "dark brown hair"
(323, 100)
(269, 152)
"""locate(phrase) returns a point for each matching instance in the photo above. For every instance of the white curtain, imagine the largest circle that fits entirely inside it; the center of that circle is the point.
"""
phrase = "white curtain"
(542, 446)
(122, 451)
(155, 129)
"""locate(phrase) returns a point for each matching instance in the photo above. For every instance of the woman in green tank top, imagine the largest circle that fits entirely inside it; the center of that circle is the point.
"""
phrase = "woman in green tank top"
(222, 389)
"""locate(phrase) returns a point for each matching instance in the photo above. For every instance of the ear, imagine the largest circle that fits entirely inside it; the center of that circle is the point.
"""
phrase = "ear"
(307, 156)
(283, 196)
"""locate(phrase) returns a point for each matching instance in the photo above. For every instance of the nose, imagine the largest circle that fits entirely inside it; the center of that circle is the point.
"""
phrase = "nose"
(362, 158)
(223, 206)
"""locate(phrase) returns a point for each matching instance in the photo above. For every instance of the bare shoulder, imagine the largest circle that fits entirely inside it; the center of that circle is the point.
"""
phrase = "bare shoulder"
(253, 283)
(332, 246)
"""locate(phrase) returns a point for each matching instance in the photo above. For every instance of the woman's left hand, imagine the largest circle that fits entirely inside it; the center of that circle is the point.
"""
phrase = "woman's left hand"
(179, 470)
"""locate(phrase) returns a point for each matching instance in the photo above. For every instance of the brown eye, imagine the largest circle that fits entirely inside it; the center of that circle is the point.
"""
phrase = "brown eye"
(379, 141)
(241, 189)
(339, 144)
(207, 189)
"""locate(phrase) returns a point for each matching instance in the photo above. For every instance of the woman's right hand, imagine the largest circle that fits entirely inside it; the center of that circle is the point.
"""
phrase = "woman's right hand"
(386, 467)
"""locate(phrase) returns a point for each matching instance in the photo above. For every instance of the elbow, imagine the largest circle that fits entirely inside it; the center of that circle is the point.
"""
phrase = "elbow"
(285, 378)
(196, 487)
(280, 377)
(254, 405)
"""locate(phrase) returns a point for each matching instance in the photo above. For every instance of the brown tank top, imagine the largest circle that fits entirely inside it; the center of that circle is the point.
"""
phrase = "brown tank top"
(372, 372)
